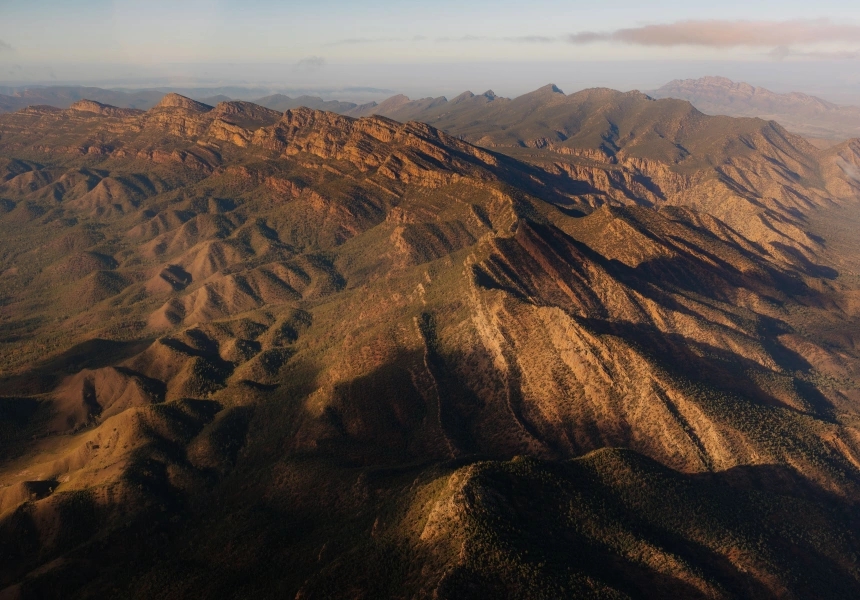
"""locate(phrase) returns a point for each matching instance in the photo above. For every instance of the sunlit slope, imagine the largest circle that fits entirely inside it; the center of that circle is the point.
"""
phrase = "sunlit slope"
(336, 334)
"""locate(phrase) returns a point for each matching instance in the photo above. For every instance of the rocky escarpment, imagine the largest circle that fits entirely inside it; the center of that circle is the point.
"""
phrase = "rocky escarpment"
(753, 175)
(410, 152)
(630, 149)
(98, 108)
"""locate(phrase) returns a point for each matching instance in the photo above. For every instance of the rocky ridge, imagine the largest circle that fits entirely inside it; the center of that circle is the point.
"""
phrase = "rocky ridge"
(227, 303)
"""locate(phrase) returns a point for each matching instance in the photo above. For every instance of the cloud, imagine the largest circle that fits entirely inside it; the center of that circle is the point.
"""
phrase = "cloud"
(588, 37)
(311, 63)
(847, 55)
(531, 39)
(780, 53)
(521, 39)
(6, 48)
(463, 38)
(727, 34)
(358, 41)
(783, 52)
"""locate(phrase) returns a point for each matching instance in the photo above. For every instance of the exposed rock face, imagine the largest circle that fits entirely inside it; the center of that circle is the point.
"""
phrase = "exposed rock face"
(629, 148)
(246, 114)
(408, 153)
(177, 101)
(98, 108)
(302, 338)
(748, 175)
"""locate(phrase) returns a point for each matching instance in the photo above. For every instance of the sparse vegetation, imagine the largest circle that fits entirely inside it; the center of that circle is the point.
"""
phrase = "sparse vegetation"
(307, 354)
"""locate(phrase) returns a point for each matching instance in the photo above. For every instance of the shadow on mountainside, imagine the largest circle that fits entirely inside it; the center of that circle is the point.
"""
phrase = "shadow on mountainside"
(721, 370)
(91, 354)
(529, 528)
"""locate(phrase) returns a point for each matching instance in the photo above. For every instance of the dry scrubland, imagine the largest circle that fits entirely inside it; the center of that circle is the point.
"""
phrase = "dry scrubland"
(609, 350)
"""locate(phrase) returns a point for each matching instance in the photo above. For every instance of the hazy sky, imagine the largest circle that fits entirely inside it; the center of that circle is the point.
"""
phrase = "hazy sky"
(316, 40)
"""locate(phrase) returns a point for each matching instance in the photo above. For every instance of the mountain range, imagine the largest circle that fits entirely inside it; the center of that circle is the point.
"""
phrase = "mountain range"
(822, 122)
(588, 345)
(800, 113)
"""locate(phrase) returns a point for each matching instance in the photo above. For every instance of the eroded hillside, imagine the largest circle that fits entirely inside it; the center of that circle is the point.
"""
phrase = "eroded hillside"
(399, 362)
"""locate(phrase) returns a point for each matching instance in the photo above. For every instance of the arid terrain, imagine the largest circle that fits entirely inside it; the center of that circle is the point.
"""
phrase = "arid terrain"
(591, 345)
(821, 122)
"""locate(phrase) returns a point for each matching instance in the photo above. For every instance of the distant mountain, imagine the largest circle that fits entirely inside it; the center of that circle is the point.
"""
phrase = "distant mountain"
(65, 96)
(282, 103)
(800, 113)
(605, 123)
(14, 99)
(398, 107)
(213, 100)
(534, 119)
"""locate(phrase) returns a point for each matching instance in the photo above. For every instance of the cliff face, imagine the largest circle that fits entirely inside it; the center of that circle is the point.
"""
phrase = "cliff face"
(342, 343)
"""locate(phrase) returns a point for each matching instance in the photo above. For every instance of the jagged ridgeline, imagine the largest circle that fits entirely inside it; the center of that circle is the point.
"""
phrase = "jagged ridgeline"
(609, 350)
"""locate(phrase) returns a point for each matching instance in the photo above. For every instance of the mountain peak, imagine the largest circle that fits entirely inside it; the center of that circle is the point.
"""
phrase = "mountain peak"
(393, 103)
(551, 87)
(173, 100)
(467, 95)
(716, 79)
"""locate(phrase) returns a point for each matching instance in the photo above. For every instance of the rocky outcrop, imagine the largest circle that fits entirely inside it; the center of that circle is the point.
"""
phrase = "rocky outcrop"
(91, 106)
(178, 101)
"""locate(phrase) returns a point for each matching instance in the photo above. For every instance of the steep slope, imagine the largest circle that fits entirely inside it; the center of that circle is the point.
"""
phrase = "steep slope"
(399, 362)
(631, 149)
